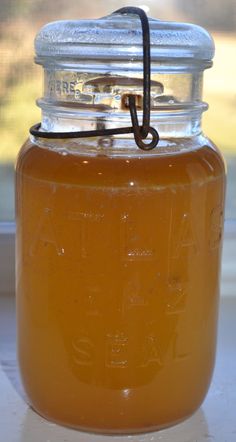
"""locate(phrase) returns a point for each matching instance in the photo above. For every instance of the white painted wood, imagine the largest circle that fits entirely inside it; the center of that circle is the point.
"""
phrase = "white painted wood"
(214, 421)
(7, 258)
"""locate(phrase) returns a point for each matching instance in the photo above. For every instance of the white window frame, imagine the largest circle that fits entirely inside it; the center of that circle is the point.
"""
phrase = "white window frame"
(7, 258)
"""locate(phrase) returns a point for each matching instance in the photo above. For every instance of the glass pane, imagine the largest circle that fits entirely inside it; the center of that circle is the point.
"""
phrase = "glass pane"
(20, 79)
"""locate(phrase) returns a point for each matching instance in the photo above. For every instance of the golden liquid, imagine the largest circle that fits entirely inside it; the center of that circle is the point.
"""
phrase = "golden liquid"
(117, 285)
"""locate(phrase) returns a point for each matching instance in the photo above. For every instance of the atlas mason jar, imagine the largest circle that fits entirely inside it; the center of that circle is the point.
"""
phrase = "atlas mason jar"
(119, 248)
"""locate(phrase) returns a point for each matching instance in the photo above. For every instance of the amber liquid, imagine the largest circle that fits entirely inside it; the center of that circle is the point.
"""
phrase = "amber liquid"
(117, 285)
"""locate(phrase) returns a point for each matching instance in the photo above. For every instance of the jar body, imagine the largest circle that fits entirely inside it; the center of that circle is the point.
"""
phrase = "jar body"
(118, 265)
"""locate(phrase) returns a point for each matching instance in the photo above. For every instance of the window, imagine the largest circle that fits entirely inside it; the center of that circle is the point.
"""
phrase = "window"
(20, 79)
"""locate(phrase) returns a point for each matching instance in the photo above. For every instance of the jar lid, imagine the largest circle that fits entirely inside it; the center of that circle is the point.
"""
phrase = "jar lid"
(119, 37)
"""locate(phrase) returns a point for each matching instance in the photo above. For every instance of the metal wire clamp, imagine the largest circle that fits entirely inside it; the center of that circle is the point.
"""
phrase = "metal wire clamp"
(140, 132)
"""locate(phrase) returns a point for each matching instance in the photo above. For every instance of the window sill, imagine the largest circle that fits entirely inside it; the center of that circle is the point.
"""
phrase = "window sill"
(215, 420)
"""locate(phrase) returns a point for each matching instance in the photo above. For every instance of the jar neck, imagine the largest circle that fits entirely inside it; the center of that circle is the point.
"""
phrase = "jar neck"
(168, 125)
(75, 100)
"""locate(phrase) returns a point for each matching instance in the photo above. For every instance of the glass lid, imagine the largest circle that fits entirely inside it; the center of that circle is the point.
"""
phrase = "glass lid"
(119, 37)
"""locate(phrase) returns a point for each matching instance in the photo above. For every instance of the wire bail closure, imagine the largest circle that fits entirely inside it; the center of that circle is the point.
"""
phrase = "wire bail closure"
(140, 132)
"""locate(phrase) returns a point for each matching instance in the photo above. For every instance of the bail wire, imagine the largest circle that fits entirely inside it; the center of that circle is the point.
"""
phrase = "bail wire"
(140, 132)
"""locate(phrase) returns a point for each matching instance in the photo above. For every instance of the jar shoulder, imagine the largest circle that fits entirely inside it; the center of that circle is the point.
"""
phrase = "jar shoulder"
(160, 167)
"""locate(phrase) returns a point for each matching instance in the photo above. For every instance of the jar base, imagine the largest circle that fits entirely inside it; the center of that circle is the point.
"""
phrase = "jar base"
(115, 431)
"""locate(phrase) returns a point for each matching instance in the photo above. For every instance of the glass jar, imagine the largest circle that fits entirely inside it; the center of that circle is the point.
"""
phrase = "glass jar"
(119, 249)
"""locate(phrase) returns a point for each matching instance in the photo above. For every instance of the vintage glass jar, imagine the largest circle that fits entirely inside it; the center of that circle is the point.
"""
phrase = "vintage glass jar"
(118, 248)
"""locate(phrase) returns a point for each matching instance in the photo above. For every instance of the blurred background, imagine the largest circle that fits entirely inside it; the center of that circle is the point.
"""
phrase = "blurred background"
(21, 80)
